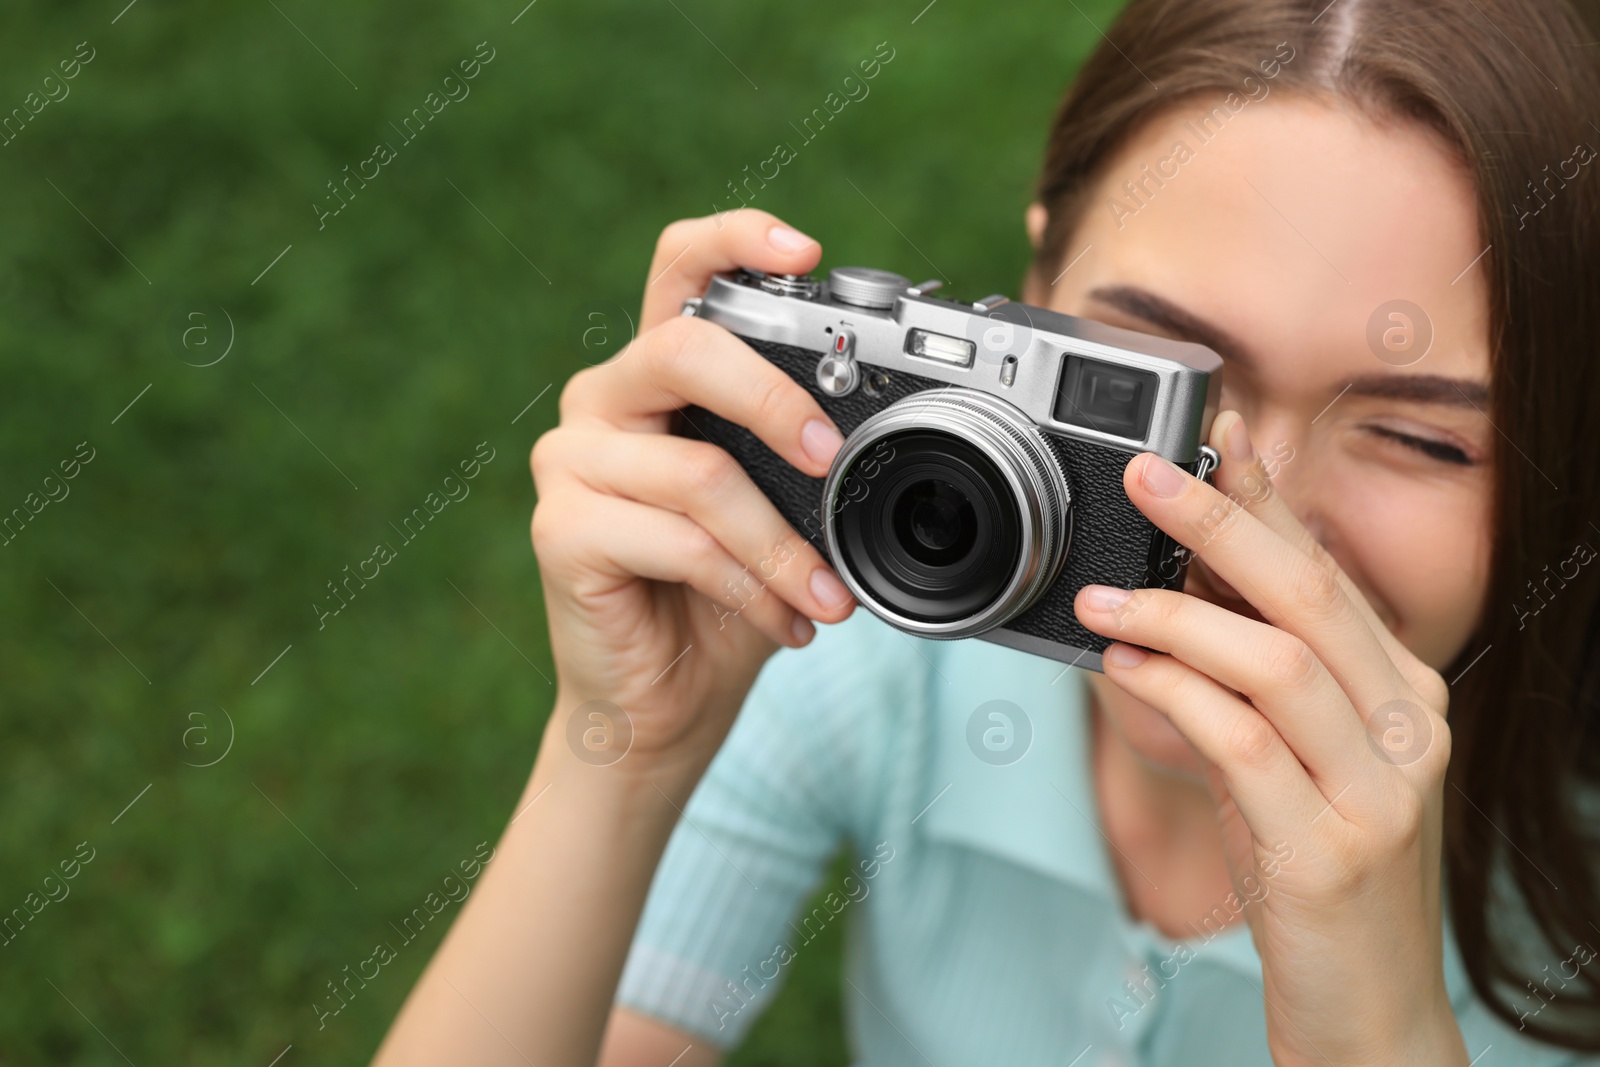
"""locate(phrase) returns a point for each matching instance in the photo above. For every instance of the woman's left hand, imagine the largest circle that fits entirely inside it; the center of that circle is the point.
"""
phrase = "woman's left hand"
(1328, 746)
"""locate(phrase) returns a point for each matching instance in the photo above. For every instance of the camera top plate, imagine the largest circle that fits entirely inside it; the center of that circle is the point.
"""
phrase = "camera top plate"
(1016, 352)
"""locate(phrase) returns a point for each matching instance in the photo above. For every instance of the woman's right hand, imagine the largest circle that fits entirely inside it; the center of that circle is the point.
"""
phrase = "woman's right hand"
(669, 578)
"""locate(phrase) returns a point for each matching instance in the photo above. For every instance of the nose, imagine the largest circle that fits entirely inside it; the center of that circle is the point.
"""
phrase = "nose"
(1282, 440)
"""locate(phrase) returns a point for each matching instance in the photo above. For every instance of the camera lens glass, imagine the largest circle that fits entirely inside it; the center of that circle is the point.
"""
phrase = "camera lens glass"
(929, 525)
(935, 522)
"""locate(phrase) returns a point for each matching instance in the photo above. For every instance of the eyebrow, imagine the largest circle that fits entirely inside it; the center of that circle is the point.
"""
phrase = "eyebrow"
(1187, 326)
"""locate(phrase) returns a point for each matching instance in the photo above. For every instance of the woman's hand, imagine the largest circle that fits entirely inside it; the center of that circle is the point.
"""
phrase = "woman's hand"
(1328, 746)
(668, 577)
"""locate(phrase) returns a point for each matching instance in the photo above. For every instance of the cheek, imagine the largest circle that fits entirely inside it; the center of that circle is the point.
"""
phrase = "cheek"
(1419, 552)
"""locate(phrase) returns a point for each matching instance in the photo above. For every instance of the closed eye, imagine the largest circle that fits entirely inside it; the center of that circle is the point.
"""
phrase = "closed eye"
(1439, 450)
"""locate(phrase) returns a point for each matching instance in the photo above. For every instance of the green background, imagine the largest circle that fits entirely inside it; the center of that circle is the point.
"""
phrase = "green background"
(142, 610)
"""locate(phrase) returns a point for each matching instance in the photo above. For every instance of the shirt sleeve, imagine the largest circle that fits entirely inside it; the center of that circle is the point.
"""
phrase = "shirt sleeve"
(794, 779)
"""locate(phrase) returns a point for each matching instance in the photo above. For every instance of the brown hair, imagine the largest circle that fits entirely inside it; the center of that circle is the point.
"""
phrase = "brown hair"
(1512, 87)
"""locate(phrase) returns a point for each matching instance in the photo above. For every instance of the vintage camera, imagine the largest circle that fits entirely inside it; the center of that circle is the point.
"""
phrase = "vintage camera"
(980, 483)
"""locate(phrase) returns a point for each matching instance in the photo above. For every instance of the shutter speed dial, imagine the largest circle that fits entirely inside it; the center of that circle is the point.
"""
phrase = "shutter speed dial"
(800, 285)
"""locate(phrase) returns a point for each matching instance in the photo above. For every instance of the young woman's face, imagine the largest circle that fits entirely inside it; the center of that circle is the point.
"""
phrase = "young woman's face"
(1283, 236)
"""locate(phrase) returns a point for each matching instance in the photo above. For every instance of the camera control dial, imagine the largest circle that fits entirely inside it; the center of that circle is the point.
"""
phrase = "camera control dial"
(865, 287)
(797, 285)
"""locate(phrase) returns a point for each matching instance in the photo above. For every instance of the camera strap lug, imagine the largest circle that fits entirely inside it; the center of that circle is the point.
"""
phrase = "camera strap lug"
(1207, 463)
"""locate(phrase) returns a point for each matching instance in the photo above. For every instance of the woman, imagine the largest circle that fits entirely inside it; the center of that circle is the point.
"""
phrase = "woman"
(1259, 842)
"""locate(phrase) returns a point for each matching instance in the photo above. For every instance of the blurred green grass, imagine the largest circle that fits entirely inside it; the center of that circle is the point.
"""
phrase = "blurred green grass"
(149, 602)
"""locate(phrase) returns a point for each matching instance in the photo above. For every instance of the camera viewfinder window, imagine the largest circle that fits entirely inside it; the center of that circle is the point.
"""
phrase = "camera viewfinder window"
(1106, 397)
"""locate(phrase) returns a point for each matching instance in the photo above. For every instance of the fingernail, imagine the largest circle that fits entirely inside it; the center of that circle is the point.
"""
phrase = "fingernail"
(820, 441)
(1105, 598)
(1237, 442)
(828, 590)
(802, 629)
(1161, 477)
(1120, 655)
(786, 240)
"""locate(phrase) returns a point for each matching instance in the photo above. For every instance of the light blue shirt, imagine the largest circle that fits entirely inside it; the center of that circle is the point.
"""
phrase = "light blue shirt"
(985, 922)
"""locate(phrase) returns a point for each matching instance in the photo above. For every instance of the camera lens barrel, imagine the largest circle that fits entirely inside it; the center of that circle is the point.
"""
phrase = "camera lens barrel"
(947, 513)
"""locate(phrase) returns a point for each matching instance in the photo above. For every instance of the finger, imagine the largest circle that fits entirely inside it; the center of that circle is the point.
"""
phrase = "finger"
(703, 482)
(690, 251)
(626, 539)
(1290, 589)
(1270, 787)
(1276, 671)
(1243, 477)
(691, 361)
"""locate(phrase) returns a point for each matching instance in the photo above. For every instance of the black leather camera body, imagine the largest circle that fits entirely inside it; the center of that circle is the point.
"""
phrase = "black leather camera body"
(980, 483)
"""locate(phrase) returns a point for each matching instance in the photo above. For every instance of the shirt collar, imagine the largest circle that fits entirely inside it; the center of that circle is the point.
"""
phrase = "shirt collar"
(1029, 797)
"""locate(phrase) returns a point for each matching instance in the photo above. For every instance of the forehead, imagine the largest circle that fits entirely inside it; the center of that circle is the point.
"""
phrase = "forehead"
(1289, 222)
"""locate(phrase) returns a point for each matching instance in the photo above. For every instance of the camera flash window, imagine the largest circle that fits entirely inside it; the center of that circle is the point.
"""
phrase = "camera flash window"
(955, 351)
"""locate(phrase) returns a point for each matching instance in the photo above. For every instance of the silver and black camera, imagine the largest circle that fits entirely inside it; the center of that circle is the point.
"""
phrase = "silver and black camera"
(980, 483)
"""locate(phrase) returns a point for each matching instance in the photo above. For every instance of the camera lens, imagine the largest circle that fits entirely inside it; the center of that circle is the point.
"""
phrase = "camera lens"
(947, 513)
(935, 522)
(928, 526)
